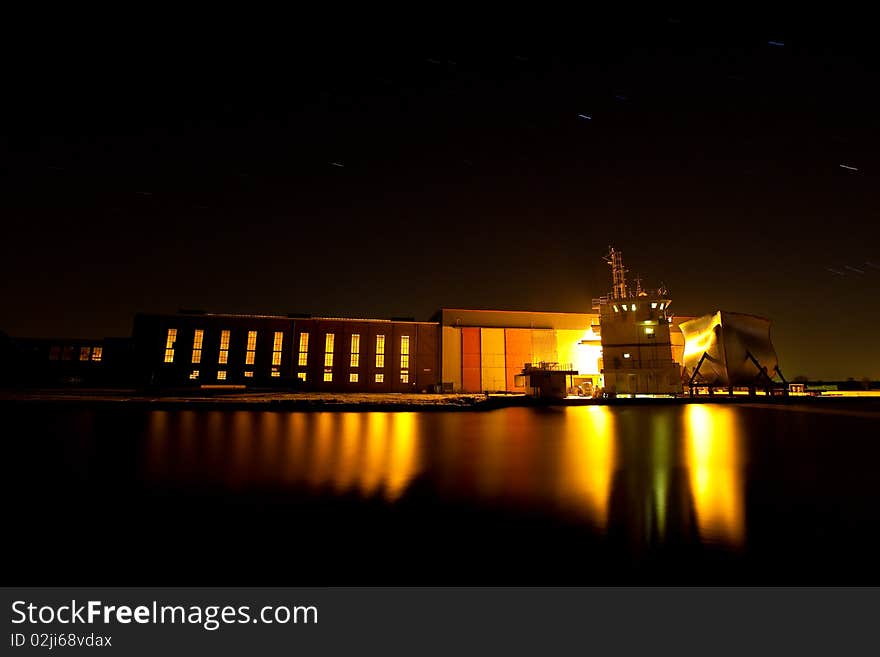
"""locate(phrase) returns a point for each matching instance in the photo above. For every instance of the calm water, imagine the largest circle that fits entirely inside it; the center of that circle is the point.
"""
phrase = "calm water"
(674, 494)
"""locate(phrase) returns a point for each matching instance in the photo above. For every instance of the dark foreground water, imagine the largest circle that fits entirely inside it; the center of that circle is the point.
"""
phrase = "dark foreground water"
(698, 493)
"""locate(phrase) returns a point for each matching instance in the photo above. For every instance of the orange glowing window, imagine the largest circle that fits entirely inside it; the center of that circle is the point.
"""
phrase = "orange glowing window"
(170, 339)
(249, 374)
(353, 377)
(97, 354)
(221, 375)
(194, 375)
(404, 352)
(303, 350)
(404, 377)
(355, 350)
(380, 378)
(301, 376)
(329, 340)
(223, 357)
(84, 353)
(380, 351)
(198, 336)
(251, 348)
(276, 350)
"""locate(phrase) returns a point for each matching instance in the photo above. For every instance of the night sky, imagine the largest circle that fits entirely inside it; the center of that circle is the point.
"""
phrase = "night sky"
(373, 180)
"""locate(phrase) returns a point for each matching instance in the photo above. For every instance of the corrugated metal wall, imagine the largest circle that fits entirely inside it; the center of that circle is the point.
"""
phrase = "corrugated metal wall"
(470, 360)
(492, 359)
(518, 347)
(452, 357)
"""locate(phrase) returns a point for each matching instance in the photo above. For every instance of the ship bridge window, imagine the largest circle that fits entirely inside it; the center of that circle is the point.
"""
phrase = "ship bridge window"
(626, 307)
(626, 355)
(616, 309)
(653, 304)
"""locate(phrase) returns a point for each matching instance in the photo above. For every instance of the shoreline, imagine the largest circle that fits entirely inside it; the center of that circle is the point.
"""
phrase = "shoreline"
(381, 402)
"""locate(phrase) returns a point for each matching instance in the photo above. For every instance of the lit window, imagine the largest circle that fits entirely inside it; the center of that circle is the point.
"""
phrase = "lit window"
(662, 304)
(194, 375)
(276, 347)
(355, 350)
(303, 350)
(223, 358)
(97, 354)
(649, 330)
(653, 304)
(634, 306)
(353, 377)
(329, 341)
(616, 309)
(249, 374)
(626, 355)
(198, 336)
(84, 353)
(328, 349)
(380, 378)
(54, 352)
(404, 352)
(251, 348)
(404, 377)
(276, 372)
(301, 376)
(625, 306)
(221, 375)
(380, 351)
(170, 339)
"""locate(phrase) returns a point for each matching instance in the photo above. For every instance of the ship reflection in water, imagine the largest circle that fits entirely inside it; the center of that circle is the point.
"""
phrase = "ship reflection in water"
(672, 474)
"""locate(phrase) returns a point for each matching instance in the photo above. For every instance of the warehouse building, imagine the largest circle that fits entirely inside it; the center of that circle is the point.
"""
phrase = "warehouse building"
(485, 350)
(298, 352)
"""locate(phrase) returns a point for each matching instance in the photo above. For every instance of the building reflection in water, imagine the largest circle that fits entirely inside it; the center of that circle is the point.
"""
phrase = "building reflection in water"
(587, 460)
(714, 455)
(367, 453)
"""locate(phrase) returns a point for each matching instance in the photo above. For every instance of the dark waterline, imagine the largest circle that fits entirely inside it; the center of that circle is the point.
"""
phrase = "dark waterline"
(667, 494)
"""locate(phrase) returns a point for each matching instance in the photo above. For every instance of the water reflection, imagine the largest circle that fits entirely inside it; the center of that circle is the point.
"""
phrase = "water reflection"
(586, 460)
(368, 453)
(649, 476)
(714, 452)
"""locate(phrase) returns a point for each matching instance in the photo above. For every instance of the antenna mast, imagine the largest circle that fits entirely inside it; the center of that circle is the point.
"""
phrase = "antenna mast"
(618, 273)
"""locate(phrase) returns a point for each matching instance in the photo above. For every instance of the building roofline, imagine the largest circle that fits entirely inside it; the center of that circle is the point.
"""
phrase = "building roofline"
(291, 317)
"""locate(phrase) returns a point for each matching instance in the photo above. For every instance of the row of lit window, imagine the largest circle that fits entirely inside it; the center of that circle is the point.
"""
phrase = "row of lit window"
(303, 354)
(352, 376)
(93, 354)
(631, 306)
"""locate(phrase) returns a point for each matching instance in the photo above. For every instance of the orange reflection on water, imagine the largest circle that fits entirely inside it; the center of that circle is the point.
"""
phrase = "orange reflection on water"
(587, 460)
(714, 446)
(371, 453)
